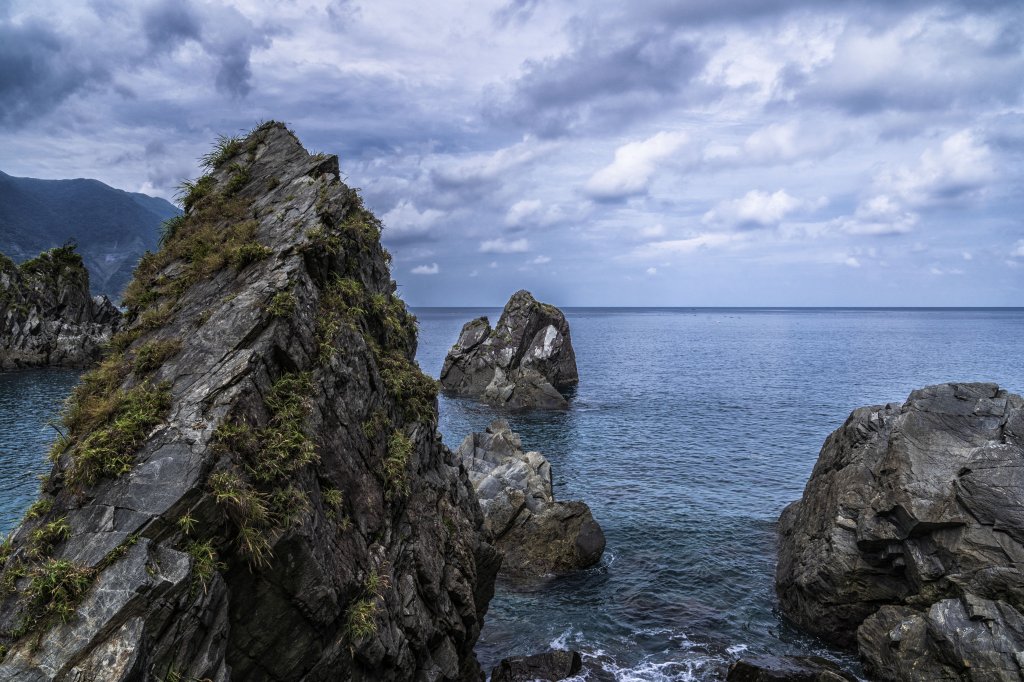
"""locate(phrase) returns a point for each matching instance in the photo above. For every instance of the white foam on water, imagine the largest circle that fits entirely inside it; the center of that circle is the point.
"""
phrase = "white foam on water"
(736, 649)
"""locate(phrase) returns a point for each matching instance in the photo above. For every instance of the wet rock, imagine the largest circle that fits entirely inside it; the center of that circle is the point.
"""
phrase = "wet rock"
(536, 535)
(908, 541)
(47, 316)
(786, 669)
(548, 667)
(526, 361)
(252, 486)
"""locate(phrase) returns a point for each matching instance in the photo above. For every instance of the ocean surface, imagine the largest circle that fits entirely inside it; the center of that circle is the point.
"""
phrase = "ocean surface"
(690, 431)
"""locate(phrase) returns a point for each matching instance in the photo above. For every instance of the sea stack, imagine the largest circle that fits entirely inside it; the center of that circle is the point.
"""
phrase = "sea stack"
(47, 316)
(526, 361)
(908, 542)
(251, 486)
(536, 535)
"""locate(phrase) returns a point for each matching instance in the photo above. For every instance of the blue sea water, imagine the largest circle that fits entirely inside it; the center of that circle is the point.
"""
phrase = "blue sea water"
(690, 431)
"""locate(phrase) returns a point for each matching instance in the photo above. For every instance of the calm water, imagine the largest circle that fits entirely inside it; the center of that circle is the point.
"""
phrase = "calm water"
(689, 432)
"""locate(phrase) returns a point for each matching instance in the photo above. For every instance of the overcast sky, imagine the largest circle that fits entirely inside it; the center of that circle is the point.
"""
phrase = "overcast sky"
(686, 152)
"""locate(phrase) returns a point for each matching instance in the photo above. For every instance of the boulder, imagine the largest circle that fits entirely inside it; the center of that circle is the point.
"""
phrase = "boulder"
(786, 669)
(908, 541)
(547, 667)
(47, 316)
(536, 535)
(527, 361)
(252, 485)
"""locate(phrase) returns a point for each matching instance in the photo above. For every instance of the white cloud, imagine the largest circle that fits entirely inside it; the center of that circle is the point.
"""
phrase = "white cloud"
(540, 260)
(851, 262)
(1018, 249)
(878, 215)
(406, 220)
(431, 269)
(501, 245)
(522, 211)
(653, 231)
(756, 209)
(959, 167)
(967, 255)
(660, 249)
(478, 168)
(634, 165)
(652, 271)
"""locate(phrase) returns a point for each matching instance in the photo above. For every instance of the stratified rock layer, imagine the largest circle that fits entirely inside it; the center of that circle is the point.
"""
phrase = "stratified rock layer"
(253, 487)
(536, 535)
(526, 361)
(909, 538)
(47, 316)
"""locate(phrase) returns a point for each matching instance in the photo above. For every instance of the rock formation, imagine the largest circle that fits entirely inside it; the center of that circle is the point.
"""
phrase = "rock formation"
(547, 667)
(523, 362)
(251, 486)
(536, 535)
(785, 669)
(47, 317)
(909, 538)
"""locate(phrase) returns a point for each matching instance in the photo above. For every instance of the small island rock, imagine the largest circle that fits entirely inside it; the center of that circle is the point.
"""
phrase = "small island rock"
(536, 535)
(526, 361)
(909, 539)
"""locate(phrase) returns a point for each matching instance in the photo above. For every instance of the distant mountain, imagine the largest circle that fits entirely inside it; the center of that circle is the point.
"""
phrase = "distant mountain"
(112, 228)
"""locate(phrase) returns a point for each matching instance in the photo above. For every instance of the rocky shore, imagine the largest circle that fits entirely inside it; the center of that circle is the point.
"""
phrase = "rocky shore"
(908, 543)
(251, 486)
(526, 361)
(48, 317)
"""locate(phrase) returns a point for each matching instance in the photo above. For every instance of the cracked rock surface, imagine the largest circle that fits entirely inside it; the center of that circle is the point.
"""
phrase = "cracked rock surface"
(908, 542)
(526, 361)
(290, 513)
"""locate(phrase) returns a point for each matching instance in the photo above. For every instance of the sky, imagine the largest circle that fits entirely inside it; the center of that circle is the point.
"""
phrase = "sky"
(644, 153)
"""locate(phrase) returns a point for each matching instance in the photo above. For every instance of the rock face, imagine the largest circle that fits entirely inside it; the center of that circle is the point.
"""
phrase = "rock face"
(785, 669)
(47, 317)
(524, 362)
(548, 667)
(252, 486)
(536, 535)
(909, 538)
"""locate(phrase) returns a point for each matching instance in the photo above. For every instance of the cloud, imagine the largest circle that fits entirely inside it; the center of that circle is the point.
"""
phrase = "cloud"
(681, 247)
(879, 215)
(405, 222)
(431, 269)
(755, 209)
(1017, 251)
(652, 271)
(500, 245)
(477, 169)
(653, 231)
(957, 169)
(540, 260)
(522, 211)
(634, 165)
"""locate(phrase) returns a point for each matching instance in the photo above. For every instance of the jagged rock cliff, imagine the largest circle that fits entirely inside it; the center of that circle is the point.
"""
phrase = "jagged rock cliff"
(526, 361)
(536, 535)
(251, 486)
(909, 538)
(47, 317)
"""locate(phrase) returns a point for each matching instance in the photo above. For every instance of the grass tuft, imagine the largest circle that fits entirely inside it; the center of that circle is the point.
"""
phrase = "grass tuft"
(396, 464)
(152, 354)
(54, 590)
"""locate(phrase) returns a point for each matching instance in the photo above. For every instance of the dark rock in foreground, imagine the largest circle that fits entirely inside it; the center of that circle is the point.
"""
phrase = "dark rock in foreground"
(536, 535)
(252, 486)
(548, 667)
(909, 538)
(786, 669)
(47, 316)
(526, 361)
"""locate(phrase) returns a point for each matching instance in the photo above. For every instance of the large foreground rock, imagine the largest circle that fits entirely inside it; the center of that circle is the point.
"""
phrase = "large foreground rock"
(526, 361)
(909, 539)
(252, 486)
(47, 316)
(536, 535)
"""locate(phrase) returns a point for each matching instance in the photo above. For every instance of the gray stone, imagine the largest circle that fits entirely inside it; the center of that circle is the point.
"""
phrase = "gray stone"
(786, 669)
(376, 566)
(526, 361)
(537, 535)
(908, 539)
(547, 667)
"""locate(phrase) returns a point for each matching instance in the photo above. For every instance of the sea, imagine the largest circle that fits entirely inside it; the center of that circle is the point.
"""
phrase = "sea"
(689, 432)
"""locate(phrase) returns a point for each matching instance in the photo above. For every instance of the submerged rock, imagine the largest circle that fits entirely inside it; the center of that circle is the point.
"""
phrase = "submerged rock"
(526, 361)
(252, 486)
(47, 316)
(536, 535)
(786, 669)
(909, 539)
(547, 667)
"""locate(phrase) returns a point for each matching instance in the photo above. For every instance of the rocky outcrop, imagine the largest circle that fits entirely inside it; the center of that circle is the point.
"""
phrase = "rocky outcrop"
(547, 667)
(47, 317)
(786, 669)
(524, 362)
(536, 535)
(251, 486)
(909, 539)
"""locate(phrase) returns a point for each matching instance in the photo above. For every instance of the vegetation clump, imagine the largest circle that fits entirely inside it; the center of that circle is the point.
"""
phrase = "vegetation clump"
(55, 588)
(362, 614)
(152, 354)
(396, 464)
(282, 304)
